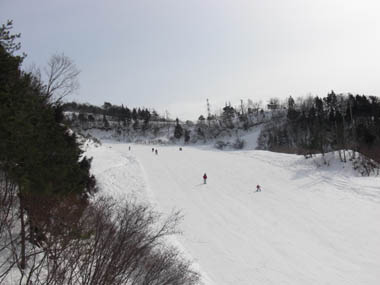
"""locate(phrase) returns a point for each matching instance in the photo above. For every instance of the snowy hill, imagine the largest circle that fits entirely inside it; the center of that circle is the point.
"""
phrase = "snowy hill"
(309, 225)
(234, 134)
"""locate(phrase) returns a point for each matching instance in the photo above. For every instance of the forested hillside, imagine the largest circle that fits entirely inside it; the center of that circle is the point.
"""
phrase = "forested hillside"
(224, 128)
(319, 125)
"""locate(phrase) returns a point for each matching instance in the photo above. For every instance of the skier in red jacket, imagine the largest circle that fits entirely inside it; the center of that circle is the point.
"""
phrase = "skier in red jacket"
(204, 178)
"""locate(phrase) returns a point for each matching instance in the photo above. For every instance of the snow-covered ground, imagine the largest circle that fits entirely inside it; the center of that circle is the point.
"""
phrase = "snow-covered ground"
(309, 225)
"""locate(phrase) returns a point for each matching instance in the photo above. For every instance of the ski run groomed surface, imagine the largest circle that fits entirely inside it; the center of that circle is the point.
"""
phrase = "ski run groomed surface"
(309, 225)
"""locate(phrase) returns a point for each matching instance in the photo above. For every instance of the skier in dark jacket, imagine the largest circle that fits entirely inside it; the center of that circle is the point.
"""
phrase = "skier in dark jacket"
(258, 188)
(204, 178)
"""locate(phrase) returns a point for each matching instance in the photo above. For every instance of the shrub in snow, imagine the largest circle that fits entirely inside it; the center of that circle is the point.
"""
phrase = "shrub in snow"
(220, 144)
(109, 244)
(238, 144)
(365, 166)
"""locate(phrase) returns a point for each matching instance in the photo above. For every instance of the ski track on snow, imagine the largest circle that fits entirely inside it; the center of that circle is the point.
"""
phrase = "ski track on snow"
(309, 225)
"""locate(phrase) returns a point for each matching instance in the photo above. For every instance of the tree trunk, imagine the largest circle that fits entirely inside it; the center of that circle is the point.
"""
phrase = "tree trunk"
(340, 155)
(23, 239)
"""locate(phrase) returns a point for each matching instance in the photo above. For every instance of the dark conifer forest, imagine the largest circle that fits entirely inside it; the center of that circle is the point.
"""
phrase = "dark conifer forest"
(322, 124)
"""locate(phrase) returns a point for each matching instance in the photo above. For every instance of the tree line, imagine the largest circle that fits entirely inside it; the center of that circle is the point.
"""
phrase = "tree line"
(323, 124)
(138, 123)
(121, 113)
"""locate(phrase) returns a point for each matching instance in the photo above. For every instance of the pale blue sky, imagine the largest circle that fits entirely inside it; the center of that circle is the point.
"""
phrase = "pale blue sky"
(173, 54)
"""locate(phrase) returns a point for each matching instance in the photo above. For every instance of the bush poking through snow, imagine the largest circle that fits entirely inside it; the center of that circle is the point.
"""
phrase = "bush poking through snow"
(238, 144)
(108, 244)
(366, 166)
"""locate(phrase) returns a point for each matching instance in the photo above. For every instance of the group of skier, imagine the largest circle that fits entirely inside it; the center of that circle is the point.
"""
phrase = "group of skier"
(154, 150)
(258, 187)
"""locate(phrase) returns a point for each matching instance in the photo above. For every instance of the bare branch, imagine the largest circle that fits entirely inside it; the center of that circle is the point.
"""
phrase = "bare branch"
(62, 77)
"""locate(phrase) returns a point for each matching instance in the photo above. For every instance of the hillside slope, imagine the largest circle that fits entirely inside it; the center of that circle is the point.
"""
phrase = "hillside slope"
(307, 226)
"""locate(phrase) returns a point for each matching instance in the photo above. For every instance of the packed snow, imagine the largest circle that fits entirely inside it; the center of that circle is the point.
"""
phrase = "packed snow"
(310, 224)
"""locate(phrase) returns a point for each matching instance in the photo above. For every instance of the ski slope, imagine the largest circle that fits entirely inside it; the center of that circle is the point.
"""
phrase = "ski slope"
(309, 225)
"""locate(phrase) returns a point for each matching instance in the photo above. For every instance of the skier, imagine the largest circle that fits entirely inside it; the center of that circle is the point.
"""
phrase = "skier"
(156, 151)
(204, 178)
(152, 149)
(180, 149)
(129, 147)
(258, 188)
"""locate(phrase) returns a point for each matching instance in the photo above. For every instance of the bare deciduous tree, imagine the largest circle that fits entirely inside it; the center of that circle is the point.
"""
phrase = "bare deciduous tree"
(62, 77)
(109, 244)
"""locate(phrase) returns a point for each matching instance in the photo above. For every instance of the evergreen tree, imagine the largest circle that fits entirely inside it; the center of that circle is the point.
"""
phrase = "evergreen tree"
(37, 152)
(178, 130)
(228, 115)
(187, 136)
(291, 103)
(136, 125)
(134, 114)
(106, 124)
(201, 119)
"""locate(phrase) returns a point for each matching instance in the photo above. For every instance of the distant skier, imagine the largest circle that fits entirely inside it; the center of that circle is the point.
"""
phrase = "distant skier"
(258, 188)
(180, 149)
(152, 149)
(129, 148)
(204, 178)
(156, 151)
